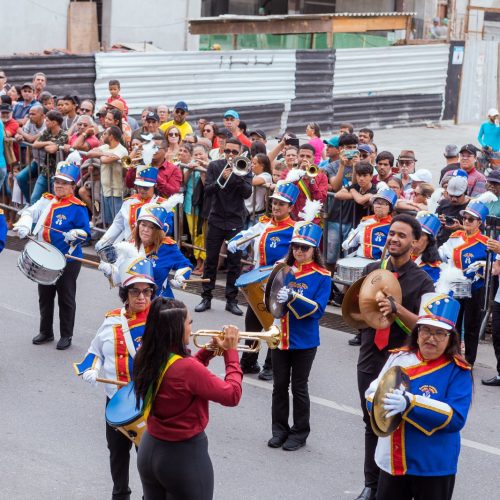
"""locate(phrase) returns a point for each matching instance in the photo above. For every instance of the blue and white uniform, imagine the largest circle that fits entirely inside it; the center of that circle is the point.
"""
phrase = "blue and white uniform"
(3, 230)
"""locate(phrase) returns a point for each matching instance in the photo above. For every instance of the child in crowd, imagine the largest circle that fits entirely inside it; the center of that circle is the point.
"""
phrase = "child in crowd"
(114, 91)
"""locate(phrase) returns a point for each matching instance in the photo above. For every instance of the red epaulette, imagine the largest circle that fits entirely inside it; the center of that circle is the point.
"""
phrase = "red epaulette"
(264, 219)
(48, 196)
(169, 241)
(461, 363)
(458, 234)
(404, 348)
(321, 270)
(436, 263)
(113, 313)
(76, 201)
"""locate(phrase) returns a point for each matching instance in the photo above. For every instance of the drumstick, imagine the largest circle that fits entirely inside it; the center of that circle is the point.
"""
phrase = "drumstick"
(197, 280)
(34, 240)
(85, 261)
(54, 229)
(109, 381)
(195, 247)
(245, 240)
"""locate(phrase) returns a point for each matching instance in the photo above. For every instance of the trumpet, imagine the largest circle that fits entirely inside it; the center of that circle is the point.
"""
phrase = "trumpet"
(129, 162)
(312, 170)
(271, 337)
(240, 166)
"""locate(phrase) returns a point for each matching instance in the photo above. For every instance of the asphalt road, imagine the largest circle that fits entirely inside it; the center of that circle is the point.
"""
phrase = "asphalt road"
(54, 445)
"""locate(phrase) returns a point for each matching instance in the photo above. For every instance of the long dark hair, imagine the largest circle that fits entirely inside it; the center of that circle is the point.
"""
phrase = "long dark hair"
(430, 254)
(317, 257)
(163, 335)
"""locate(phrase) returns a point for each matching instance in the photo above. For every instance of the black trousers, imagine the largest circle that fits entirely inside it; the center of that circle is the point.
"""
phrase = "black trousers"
(119, 447)
(175, 470)
(294, 365)
(415, 487)
(496, 333)
(66, 291)
(371, 469)
(214, 240)
(252, 324)
(470, 318)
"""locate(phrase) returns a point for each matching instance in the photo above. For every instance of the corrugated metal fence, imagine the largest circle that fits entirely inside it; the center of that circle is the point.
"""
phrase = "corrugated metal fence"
(66, 74)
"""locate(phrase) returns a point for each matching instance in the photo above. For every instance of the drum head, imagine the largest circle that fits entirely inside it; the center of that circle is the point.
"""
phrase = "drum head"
(357, 262)
(254, 276)
(121, 409)
(48, 257)
(280, 276)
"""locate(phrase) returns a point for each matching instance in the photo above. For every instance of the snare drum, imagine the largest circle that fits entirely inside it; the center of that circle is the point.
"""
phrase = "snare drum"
(108, 254)
(350, 269)
(461, 288)
(253, 284)
(122, 414)
(41, 265)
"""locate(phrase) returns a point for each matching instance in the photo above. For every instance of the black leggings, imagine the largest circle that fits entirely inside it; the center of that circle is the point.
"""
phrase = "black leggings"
(175, 470)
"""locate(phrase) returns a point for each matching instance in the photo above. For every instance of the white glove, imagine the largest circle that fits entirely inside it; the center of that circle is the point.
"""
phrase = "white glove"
(396, 402)
(283, 295)
(474, 267)
(233, 247)
(179, 280)
(22, 231)
(106, 269)
(90, 376)
(74, 235)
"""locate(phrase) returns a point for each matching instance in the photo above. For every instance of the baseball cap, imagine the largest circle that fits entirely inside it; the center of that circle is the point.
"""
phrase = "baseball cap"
(181, 105)
(260, 133)
(422, 175)
(451, 150)
(28, 84)
(493, 112)
(232, 113)
(224, 132)
(45, 95)
(117, 104)
(493, 176)
(457, 185)
(333, 141)
(469, 148)
(365, 148)
(5, 108)
(152, 116)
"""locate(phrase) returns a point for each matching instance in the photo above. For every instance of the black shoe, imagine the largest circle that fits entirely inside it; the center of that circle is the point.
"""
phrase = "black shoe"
(250, 369)
(292, 445)
(356, 340)
(266, 374)
(42, 339)
(276, 442)
(491, 381)
(233, 308)
(337, 300)
(367, 494)
(204, 305)
(64, 343)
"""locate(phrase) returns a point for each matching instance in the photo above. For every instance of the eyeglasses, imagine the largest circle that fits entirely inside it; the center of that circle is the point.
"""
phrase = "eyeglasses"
(302, 248)
(207, 130)
(469, 219)
(439, 335)
(173, 134)
(85, 110)
(231, 151)
(135, 292)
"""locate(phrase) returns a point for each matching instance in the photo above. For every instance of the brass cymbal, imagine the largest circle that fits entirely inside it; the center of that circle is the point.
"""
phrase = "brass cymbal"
(378, 284)
(350, 306)
(392, 379)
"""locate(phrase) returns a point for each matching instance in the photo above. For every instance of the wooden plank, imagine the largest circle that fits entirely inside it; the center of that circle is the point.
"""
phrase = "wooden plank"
(363, 25)
(82, 37)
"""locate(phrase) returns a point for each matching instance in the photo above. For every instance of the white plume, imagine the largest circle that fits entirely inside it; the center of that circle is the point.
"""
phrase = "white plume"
(74, 157)
(448, 274)
(126, 251)
(434, 200)
(381, 186)
(148, 150)
(486, 197)
(294, 175)
(173, 201)
(311, 210)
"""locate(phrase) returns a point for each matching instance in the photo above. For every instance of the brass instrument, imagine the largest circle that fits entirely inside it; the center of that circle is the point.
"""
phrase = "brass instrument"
(271, 337)
(129, 162)
(240, 165)
(312, 170)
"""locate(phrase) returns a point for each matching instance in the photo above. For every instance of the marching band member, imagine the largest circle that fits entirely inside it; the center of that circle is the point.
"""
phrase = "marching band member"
(273, 241)
(61, 220)
(371, 234)
(3, 230)
(425, 252)
(419, 460)
(467, 250)
(306, 296)
(111, 353)
(173, 459)
(404, 232)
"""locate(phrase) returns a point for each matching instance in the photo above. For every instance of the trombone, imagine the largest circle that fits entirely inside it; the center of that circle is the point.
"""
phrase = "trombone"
(271, 337)
(240, 166)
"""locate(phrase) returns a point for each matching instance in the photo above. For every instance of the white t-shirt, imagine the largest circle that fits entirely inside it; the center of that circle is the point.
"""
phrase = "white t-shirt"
(112, 173)
(259, 192)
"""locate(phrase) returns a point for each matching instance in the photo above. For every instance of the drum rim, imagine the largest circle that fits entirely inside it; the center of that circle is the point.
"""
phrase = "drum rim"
(258, 272)
(51, 248)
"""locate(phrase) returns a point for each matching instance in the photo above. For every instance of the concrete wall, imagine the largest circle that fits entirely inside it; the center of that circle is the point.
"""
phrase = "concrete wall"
(33, 26)
(365, 6)
(164, 23)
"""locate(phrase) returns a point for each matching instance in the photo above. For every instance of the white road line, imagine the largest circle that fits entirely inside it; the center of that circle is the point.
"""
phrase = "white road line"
(355, 411)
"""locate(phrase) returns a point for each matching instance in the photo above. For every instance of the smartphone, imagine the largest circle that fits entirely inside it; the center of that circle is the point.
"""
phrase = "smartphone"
(450, 220)
(349, 154)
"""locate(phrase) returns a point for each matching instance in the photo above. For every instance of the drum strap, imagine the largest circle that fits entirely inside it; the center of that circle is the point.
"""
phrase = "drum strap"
(126, 334)
(41, 220)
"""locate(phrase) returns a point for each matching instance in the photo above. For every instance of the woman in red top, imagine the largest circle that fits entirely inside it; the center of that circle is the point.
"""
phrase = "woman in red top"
(173, 458)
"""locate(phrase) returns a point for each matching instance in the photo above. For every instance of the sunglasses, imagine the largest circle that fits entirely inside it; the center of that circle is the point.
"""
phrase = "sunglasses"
(173, 134)
(231, 151)
(136, 292)
(469, 219)
(405, 162)
(207, 130)
(180, 112)
(302, 248)
(85, 110)
(364, 155)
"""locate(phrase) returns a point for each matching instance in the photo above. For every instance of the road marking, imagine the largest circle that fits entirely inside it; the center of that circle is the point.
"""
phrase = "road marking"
(355, 411)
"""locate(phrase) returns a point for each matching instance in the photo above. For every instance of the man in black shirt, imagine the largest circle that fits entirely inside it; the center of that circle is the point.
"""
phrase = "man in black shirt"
(226, 219)
(449, 208)
(375, 344)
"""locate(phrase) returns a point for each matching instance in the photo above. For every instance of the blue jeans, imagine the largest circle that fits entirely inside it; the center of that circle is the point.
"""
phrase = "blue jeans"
(335, 240)
(111, 206)
(28, 173)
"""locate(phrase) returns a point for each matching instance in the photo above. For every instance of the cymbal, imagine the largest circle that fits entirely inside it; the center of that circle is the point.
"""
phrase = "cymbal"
(378, 284)
(350, 306)
(392, 379)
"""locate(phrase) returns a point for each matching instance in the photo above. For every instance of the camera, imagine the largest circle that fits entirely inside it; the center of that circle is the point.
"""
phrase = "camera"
(349, 154)
(450, 220)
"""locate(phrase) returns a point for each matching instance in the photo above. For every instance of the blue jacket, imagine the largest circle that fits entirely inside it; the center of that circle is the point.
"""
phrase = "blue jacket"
(3, 230)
